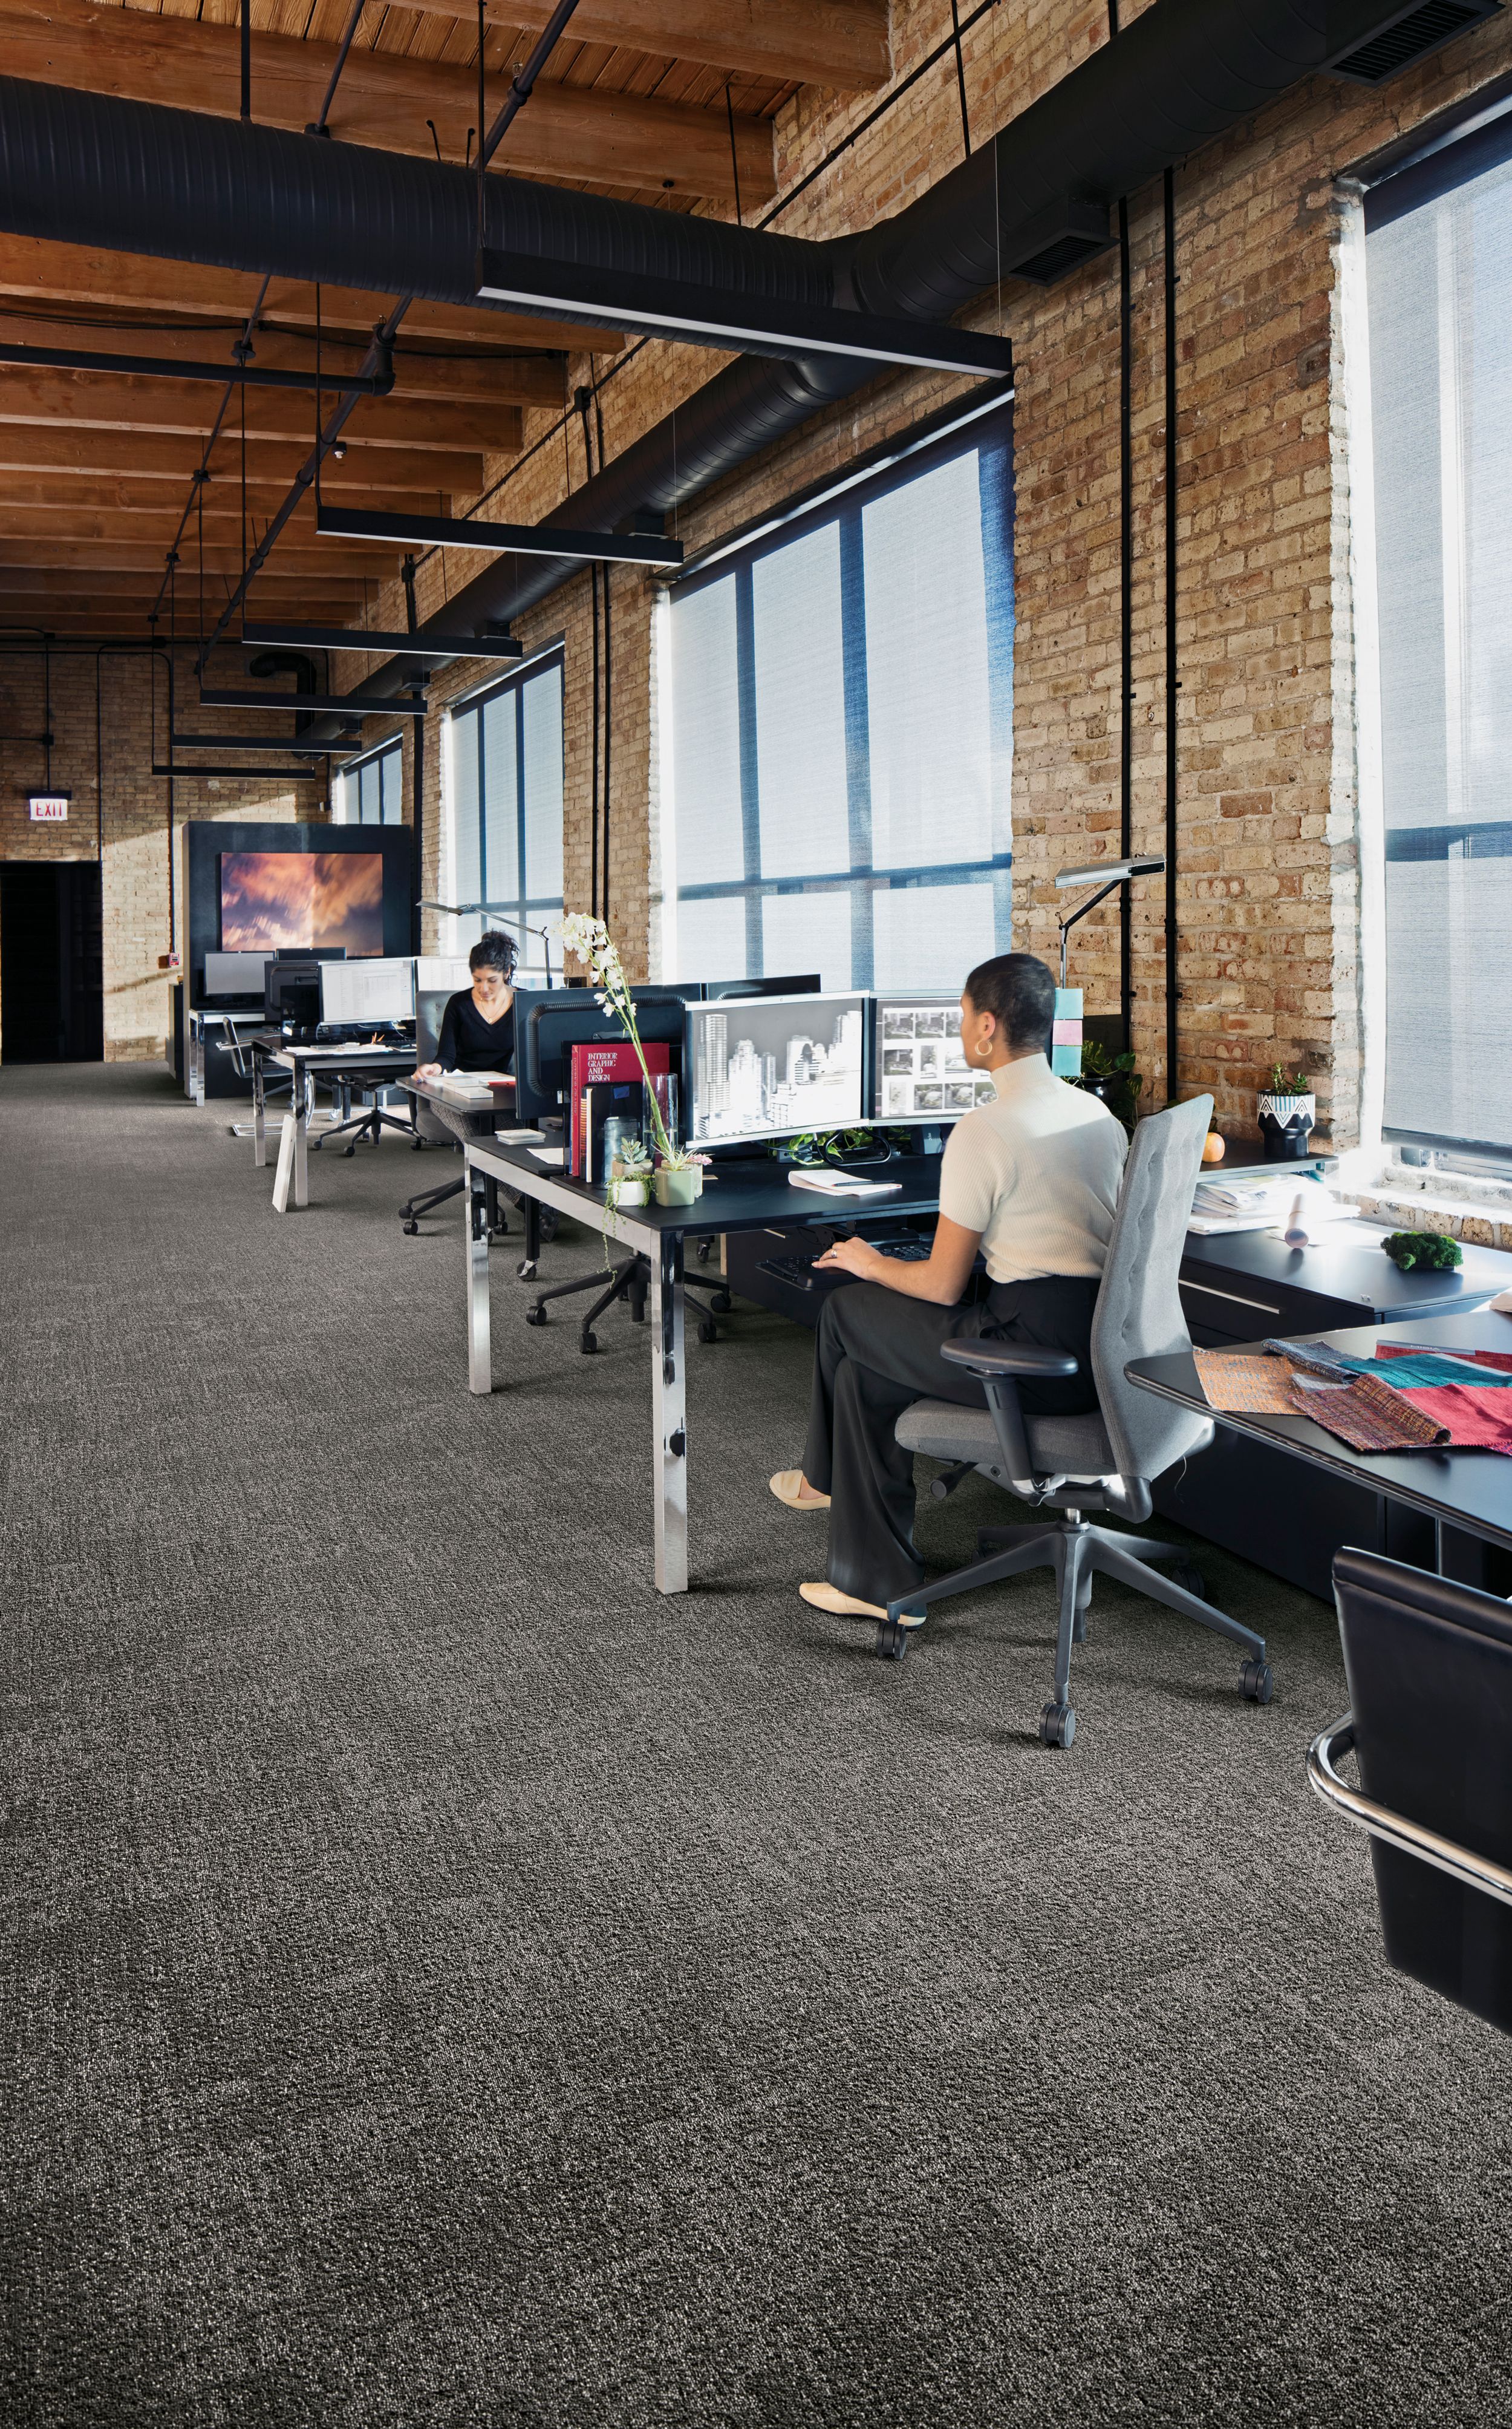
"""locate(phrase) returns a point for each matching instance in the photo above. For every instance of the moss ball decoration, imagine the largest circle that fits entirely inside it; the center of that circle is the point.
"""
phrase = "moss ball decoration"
(1427, 1252)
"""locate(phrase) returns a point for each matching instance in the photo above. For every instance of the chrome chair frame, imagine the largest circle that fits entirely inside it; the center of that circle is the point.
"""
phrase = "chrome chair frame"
(1393, 1829)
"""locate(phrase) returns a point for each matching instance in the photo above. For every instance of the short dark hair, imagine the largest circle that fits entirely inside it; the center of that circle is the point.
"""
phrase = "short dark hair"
(1019, 991)
(493, 951)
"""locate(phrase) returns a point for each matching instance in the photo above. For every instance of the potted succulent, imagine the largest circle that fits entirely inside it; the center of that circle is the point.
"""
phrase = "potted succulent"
(676, 1176)
(1288, 1110)
(630, 1174)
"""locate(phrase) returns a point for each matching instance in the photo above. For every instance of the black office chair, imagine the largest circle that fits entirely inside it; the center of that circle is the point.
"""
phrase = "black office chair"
(370, 1122)
(1429, 1665)
(631, 1280)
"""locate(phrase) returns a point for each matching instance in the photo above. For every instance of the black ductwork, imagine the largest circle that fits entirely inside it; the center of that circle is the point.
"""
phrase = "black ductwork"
(1034, 202)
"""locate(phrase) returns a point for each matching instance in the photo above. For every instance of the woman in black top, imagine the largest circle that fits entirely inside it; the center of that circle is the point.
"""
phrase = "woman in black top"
(478, 1029)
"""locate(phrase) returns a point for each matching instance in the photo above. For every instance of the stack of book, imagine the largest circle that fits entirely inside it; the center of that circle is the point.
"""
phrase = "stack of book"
(1267, 1201)
(607, 1086)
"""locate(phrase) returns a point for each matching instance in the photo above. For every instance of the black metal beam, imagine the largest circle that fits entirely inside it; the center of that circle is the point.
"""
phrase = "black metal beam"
(288, 703)
(263, 775)
(258, 742)
(713, 316)
(71, 358)
(524, 539)
(398, 644)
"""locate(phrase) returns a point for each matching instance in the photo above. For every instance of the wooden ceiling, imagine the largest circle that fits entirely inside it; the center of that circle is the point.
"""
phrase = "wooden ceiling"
(641, 100)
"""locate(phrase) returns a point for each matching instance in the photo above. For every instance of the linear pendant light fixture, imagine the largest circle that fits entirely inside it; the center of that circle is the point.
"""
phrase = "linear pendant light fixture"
(395, 645)
(713, 316)
(526, 539)
(257, 742)
(315, 703)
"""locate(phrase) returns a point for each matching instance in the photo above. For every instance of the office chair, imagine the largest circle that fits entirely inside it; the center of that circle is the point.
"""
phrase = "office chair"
(229, 1042)
(1101, 1461)
(631, 1280)
(371, 1123)
(1429, 1665)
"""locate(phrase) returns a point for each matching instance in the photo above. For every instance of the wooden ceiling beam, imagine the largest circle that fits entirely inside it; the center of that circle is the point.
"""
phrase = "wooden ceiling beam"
(839, 43)
(34, 449)
(34, 269)
(55, 522)
(567, 133)
(143, 502)
(74, 581)
(433, 377)
(100, 401)
(328, 563)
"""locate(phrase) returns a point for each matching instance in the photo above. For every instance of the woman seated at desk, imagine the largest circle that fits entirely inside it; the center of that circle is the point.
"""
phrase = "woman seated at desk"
(478, 1028)
(1033, 1180)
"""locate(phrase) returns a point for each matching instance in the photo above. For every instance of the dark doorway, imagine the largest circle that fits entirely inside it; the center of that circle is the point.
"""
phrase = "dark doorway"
(52, 993)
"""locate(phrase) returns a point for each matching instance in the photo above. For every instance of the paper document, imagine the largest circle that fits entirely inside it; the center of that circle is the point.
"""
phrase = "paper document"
(831, 1183)
(520, 1138)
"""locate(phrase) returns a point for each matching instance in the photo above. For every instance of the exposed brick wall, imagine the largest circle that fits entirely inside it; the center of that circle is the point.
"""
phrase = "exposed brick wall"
(124, 820)
(1266, 811)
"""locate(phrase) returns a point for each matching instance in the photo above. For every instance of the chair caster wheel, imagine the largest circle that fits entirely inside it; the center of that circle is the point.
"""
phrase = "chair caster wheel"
(588, 1343)
(412, 1230)
(1190, 1579)
(721, 1302)
(1058, 1724)
(892, 1640)
(1256, 1683)
(536, 1316)
(707, 1331)
(527, 1269)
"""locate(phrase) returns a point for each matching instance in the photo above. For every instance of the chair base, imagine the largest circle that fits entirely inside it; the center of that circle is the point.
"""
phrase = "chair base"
(409, 1215)
(370, 1124)
(632, 1281)
(1076, 1551)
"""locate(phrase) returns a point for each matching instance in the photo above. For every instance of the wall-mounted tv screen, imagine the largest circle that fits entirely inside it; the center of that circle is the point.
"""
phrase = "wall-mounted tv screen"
(278, 901)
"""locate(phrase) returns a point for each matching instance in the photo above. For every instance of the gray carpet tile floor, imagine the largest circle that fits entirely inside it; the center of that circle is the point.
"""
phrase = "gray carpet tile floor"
(450, 1984)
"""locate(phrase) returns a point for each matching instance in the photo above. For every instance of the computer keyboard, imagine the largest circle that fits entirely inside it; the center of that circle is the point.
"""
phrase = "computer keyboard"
(799, 1272)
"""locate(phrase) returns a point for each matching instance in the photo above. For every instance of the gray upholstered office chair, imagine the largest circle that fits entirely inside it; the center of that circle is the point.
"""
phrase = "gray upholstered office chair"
(1102, 1460)
(1429, 1665)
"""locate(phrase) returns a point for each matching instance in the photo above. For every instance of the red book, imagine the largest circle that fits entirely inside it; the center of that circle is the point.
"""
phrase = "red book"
(603, 1059)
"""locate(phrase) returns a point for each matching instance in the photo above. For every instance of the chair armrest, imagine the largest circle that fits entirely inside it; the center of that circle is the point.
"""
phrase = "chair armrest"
(1007, 1358)
(1462, 1864)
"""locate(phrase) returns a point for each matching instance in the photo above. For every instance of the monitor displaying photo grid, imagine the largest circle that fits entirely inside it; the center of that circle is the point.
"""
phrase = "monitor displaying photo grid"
(920, 1071)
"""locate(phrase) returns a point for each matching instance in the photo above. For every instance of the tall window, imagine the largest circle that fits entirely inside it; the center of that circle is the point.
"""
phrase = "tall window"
(371, 791)
(506, 804)
(1439, 292)
(842, 734)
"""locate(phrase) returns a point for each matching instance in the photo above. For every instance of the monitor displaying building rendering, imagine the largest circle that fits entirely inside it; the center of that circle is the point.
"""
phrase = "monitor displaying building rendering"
(922, 1074)
(282, 901)
(776, 1066)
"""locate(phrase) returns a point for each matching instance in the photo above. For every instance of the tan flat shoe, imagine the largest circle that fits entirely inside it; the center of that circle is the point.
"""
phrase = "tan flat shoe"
(844, 1606)
(785, 1485)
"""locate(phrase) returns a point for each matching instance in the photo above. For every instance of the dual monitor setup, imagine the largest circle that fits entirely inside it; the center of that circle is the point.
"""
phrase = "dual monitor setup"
(762, 1060)
(303, 988)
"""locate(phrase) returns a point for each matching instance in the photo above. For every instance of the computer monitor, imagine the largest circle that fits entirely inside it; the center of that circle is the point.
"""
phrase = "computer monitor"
(770, 1066)
(549, 1023)
(292, 991)
(373, 990)
(443, 974)
(714, 989)
(919, 1071)
(233, 977)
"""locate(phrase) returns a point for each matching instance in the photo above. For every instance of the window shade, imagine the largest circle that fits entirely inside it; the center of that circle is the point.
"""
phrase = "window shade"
(372, 791)
(842, 734)
(1439, 278)
(505, 807)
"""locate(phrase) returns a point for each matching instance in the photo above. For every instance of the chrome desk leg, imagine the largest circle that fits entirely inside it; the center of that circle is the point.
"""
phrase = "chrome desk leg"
(303, 1091)
(669, 1438)
(475, 1238)
(259, 1114)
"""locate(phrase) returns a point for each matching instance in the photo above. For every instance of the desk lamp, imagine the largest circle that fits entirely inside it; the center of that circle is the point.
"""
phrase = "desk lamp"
(1107, 876)
(495, 911)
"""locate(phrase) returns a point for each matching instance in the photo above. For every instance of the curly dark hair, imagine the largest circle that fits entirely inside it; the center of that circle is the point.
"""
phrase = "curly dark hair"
(493, 952)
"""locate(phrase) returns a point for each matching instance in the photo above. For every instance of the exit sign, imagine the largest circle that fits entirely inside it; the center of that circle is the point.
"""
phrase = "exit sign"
(49, 808)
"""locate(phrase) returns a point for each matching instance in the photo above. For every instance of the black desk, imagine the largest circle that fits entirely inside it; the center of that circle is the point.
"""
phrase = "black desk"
(1438, 1507)
(379, 1065)
(1243, 1286)
(737, 1199)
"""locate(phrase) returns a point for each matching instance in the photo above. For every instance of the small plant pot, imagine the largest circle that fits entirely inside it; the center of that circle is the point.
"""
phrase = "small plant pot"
(1286, 1125)
(630, 1193)
(675, 1187)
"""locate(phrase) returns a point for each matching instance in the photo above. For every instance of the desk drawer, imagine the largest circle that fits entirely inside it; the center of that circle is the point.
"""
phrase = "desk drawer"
(1222, 1308)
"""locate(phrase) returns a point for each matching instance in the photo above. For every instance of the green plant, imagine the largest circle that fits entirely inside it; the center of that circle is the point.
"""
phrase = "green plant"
(832, 1147)
(1433, 1252)
(1284, 1083)
(1114, 1080)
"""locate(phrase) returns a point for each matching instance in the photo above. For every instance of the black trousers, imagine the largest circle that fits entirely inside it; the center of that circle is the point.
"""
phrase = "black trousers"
(877, 1353)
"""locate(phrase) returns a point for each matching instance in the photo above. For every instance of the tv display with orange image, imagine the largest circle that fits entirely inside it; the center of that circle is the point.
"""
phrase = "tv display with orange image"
(278, 901)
